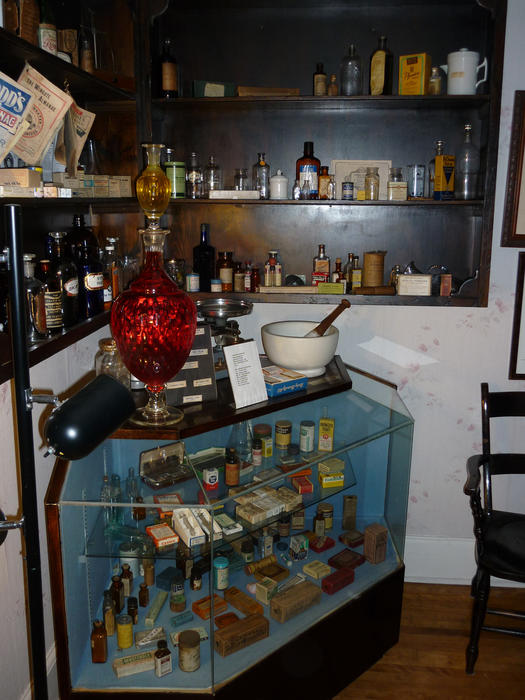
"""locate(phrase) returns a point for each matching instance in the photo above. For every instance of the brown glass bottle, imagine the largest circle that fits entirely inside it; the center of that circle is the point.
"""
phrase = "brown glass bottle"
(143, 595)
(225, 270)
(127, 580)
(133, 608)
(117, 591)
(231, 468)
(99, 643)
(324, 181)
(138, 512)
(108, 608)
(163, 664)
(308, 168)
(381, 69)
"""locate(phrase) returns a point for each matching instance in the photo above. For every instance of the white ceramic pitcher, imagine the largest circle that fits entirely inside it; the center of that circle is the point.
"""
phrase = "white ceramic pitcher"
(462, 72)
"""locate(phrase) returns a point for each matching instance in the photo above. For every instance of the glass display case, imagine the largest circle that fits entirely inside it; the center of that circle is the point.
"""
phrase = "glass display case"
(292, 576)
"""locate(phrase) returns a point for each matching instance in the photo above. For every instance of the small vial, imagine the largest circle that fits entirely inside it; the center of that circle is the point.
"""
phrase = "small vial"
(143, 595)
(133, 609)
(99, 643)
(257, 452)
(163, 663)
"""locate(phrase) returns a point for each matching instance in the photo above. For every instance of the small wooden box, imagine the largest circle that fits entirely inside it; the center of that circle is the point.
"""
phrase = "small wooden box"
(376, 538)
(295, 600)
(226, 619)
(352, 538)
(242, 602)
(202, 607)
(241, 634)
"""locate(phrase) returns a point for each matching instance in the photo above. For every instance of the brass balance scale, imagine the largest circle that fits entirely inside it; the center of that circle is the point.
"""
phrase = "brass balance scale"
(220, 314)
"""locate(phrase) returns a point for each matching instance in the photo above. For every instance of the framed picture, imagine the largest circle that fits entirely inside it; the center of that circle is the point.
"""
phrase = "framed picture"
(513, 232)
(517, 348)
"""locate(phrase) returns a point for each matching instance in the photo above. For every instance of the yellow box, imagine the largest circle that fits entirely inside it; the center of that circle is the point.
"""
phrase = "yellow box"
(444, 177)
(326, 434)
(21, 177)
(330, 288)
(332, 481)
(414, 74)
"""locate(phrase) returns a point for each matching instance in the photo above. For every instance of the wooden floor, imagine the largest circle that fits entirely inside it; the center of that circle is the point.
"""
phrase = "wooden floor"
(429, 660)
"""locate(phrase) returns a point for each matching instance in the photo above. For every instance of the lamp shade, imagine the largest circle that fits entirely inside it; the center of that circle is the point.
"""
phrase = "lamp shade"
(82, 422)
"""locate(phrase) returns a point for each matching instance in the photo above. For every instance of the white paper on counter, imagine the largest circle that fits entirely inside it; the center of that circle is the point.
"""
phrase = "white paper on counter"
(246, 375)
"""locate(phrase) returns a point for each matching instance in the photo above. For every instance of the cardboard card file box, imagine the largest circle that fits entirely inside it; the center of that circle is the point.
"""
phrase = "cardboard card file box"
(196, 381)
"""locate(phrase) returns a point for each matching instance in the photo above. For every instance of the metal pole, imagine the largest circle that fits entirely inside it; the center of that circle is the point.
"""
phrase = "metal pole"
(20, 359)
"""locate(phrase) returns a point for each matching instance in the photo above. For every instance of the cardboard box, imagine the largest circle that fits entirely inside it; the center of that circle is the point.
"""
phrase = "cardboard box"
(331, 481)
(202, 607)
(135, 663)
(337, 580)
(162, 535)
(21, 177)
(376, 540)
(317, 569)
(187, 527)
(242, 602)
(265, 589)
(294, 601)
(414, 73)
(209, 88)
(241, 634)
(332, 465)
(414, 285)
(281, 381)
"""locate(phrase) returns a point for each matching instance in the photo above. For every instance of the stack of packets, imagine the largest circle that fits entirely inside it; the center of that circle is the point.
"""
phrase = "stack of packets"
(331, 473)
(265, 503)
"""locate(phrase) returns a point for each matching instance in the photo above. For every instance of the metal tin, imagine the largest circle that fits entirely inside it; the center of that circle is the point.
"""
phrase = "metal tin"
(326, 510)
(307, 436)
(176, 174)
(124, 631)
(215, 286)
(283, 434)
(192, 282)
(347, 190)
(189, 650)
(220, 573)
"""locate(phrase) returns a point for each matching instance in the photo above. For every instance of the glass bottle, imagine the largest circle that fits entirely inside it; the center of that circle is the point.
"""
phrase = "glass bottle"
(357, 273)
(105, 497)
(61, 293)
(261, 176)
(91, 283)
(112, 274)
(332, 90)
(321, 262)
(381, 69)
(132, 485)
(372, 184)
(296, 190)
(324, 181)
(351, 73)
(332, 188)
(434, 83)
(231, 468)
(117, 514)
(86, 50)
(108, 610)
(163, 662)
(117, 592)
(99, 643)
(108, 361)
(143, 595)
(204, 259)
(347, 272)
(47, 35)
(432, 167)
(337, 272)
(80, 234)
(238, 277)
(247, 275)
(126, 577)
(319, 81)
(278, 271)
(194, 184)
(240, 440)
(225, 270)
(153, 187)
(307, 168)
(153, 323)
(35, 302)
(169, 71)
(466, 175)
(138, 512)
(89, 159)
(212, 176)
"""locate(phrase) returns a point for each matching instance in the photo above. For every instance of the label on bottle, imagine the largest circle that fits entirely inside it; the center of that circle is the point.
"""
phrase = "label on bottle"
(93, 281)
(169, 77)
(322, 265)
(71, 287)
(53, 302)
(226, 275)
(108, 293)
(163, 665)
(377, 72)
(309, 172)
(319, 84)
(47, 38)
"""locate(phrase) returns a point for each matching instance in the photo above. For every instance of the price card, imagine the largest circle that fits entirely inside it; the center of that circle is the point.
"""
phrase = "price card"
(245, 372)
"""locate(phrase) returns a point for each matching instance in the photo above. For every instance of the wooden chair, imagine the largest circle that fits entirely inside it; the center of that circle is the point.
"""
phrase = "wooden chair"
(500, 535)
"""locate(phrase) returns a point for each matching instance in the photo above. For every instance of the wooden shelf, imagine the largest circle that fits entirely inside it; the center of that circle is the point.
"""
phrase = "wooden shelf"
(83, 86)
(474, 203)
(48, 348)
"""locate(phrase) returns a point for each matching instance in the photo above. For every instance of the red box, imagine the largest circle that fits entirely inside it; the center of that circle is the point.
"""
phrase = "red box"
(302, 484)
(346, 559)
(321, 544)
(337, 580)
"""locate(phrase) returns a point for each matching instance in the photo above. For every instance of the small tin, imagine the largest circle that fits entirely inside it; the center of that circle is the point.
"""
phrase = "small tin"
(326, 510)
(348, 190)
(307, 436)
(124, 631)
(189, 650)
(210, 478)
(283, 434)
(216, 286)
(415, 177)
(220, 573)
(192, 282)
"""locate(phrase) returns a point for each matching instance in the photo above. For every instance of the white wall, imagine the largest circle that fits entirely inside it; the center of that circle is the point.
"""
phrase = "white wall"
(461, 348)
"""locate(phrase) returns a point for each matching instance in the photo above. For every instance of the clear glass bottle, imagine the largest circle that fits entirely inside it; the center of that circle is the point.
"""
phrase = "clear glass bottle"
(435, 82)
(117, 514)
(466, 175)
(320, 85)
(194, 178)
(240, 179)
(307, 168)
(108, 361)
(347, 272)
(351, 73)
(241, 440)
(332, 188)
(132, 485)
(381, 69)
(296, 190)
(432, 167)
(105, 497)
(153, 186)
(261, 176)
(321, 262)
(35, 302)
(212, 176)
(372, 184)
(204, 259)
